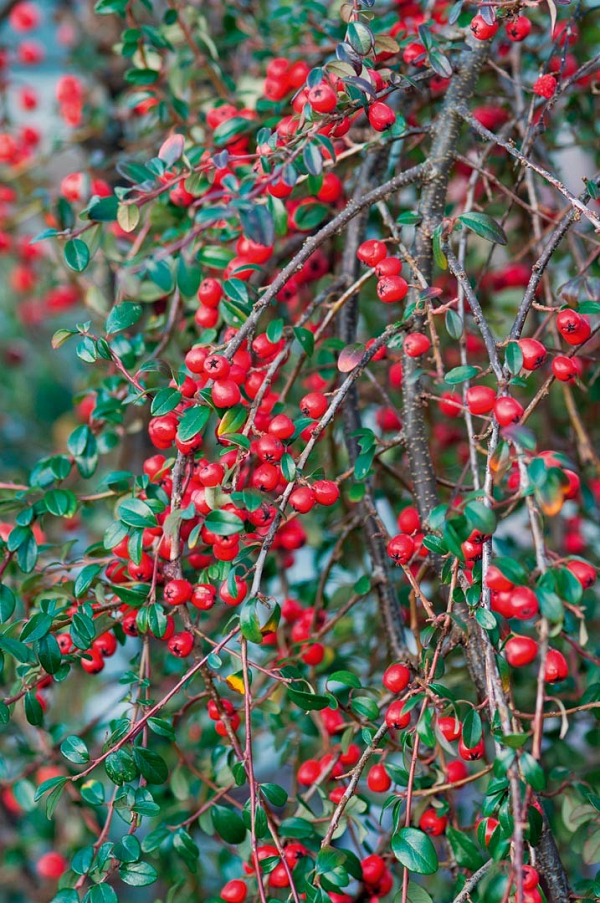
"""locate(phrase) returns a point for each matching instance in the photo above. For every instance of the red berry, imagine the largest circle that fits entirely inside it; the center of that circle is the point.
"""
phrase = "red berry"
(396, 678)
(302, 499)
(556, 668)
(391, 288)
(181, 644)
(409, 520)
(416, 344)
(282, 427)
(372, 252)
(234, 891)
(496, 580)
(481, 30)
(480, 399)
(523, 603)
(381, 116)
(326, 492)
(396, 717)
(534, 353)
(314, 405)
(584, 572)
(520, 651)
(470, 754)
(507, 410)
(378, 780)
(401, 548)
(176, 592)
(373, 868)
(450, 727)
(51, 865)
(322, 98)
(225, 393)
(309, 772)
(518, 29)
(432, 823)
(545, 86)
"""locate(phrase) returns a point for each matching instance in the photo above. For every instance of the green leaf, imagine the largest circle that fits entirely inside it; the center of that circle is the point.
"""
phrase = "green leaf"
(223, 523)
(85, 578)
(101, 893)
(77, 255)
(308, 702)
(49, 654)
(480, 517)
(275, 794)
(514, 357)
(138, 874)
(413, 848)
(128, 849)
(228, 825)
(7, 603)
(484, 226)
(193, 422)
(347, 678)
(165, 401)
(454, 325)
(75, 750)
(472, 729)
(249, 623)
(136, 513)
(306, 339)
(122, 316)
(465, 850)
(36, 627)
(532, 772)
(151, 766)
(417, 894)
(460, 375)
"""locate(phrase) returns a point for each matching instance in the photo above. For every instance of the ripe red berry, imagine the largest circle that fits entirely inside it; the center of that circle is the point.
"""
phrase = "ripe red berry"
(520, 651)
(217, 366)
(322, 98)
(203, 596)
(51, 865)
(210, 293)
(302, 499)
(450, 404)
(531, 877)
(523, 603)
(234, 891)
(92, 661)
(378, 780)
(225, 393)
(396, 678)
(584, 572)
(534, 353)
(389, 266)
(401, 548)
(241, 588)
(391, 288)
(480, 399)
(545, 86)
(518, 29)
(371, 252)
(313, 405)
(481, 30)
(309, 772)
(456, 771)
(507, 410)
(396, 717)
(450, 727)
(373, 868)
(416, 344)
(496, 580)
(181, 644)
(414, 54)
(409, 520)
(432, 823)
(381, 116)
(282, 427)
(566, 369)
(326, 492)
(176, 592)
(470, 754)
(556, 668)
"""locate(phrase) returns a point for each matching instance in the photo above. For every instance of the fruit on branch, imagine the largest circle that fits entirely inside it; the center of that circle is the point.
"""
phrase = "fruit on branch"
(381, 116)
(396, 678)
(507, 410)
(483, 30)
(545, 86)
(556, 668)
(416, 344)
(518, 29)
(520, 651)
(432, 822)
(378, 780)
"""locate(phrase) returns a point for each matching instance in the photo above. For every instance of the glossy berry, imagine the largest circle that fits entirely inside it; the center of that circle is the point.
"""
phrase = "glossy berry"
(450, 728)
(396, 717)
(176, 592)
(302, 499)
(391, 288)
(381, 116)
(520, 651)
(401, 548)
(372, 252)
(234, 891)
(480, 399)
(470, 754)
(556, 668)
(322, 98)
(523, 603)
(507, 410)
(534, 353)
(378, 780)
(566, 369)
(416, 344)
(326, 492)
(409, 520)
(396, 678)
(432, 823)
(181, 644)
(481, 30)
(518, 29)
